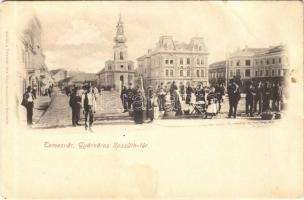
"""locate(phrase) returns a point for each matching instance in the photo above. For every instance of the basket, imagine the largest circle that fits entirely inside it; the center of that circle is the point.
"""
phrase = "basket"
(267, 115)
(169, 114)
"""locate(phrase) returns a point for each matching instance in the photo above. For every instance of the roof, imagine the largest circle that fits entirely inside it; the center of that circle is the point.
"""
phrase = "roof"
(258, 51)
(84, 77)
(218, 64)
(167, 44)
(102, 70)
(81, 78)
(276, 49)
(55, 71)
(183, 45)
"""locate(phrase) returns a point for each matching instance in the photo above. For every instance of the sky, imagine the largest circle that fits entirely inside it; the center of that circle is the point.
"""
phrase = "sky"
(79, 35)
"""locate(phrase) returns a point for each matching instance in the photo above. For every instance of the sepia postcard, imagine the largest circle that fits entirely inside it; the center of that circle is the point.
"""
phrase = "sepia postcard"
(151, 99)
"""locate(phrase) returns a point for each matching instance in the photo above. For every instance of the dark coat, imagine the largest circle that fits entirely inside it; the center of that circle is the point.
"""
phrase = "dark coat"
(130, 93)
(75, 101)
(251, 94)
(123, 94)
(233, 93)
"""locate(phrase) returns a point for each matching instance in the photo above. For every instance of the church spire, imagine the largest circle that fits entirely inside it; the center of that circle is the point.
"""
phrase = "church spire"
(120, 37)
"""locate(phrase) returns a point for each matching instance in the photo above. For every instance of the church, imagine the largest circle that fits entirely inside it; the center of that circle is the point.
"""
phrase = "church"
(119, 71)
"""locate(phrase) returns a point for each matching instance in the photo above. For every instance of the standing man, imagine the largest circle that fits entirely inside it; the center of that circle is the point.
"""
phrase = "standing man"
(28, 103)
(161, 96)
(67, 90)
(197, 92)
(189, 92)
(124, 99)
(75, 103)
(182, 91)
(88, 103)
(277, 97)
(49, 91)
(34, 91)
(234, 97)
(259, 97)
(130, 93)
(266, 96)
(200, 93)
(250, 98)
(222, 91)
(150, 104)
(219, 96)
(173, 87)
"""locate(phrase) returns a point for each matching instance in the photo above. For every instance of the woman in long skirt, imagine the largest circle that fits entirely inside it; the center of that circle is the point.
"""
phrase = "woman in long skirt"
(138, 106)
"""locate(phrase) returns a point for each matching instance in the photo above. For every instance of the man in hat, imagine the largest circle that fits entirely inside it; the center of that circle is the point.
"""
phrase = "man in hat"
(276, 97)
(259, 97)
(234, 97)
(28, 103)
(189, 91)
(88, 102)
(75, 103)
(250, 98)
(124, 98)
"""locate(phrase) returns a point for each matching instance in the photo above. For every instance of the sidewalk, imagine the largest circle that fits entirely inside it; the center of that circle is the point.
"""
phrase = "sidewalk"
(41, 104)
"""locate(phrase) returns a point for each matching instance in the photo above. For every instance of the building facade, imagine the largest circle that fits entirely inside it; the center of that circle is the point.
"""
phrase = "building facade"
(32, 58)
(258, 64)
(173, 61)
(59, 74)
(79, 80)
(120, 70)
(217, 73)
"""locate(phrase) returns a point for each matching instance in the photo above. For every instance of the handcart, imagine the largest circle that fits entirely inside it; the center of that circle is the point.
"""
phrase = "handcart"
(199, 108)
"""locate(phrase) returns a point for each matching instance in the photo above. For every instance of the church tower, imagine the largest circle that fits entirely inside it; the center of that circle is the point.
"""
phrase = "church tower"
(120, 48)
(119, 71)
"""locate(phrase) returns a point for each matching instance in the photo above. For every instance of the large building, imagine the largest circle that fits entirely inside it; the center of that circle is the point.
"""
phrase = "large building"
(217, 72)
(258, 64)
(32, 59)
(173, 61)
(120, 70)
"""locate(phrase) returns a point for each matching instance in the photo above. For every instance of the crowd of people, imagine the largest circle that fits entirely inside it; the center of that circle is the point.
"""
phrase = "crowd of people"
(170, 100)
(83, 98)
(263, 97)
(259, 97)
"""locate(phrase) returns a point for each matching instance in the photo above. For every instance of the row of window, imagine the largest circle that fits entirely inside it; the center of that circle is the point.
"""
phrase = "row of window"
(268, 61)
(169, 47)
(181, 61)
(217, 75)
(199, 73)
(260, 73)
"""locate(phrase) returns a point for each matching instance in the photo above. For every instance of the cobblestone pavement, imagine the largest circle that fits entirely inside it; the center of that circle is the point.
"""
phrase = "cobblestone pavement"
(59, 113)
(109, 111)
